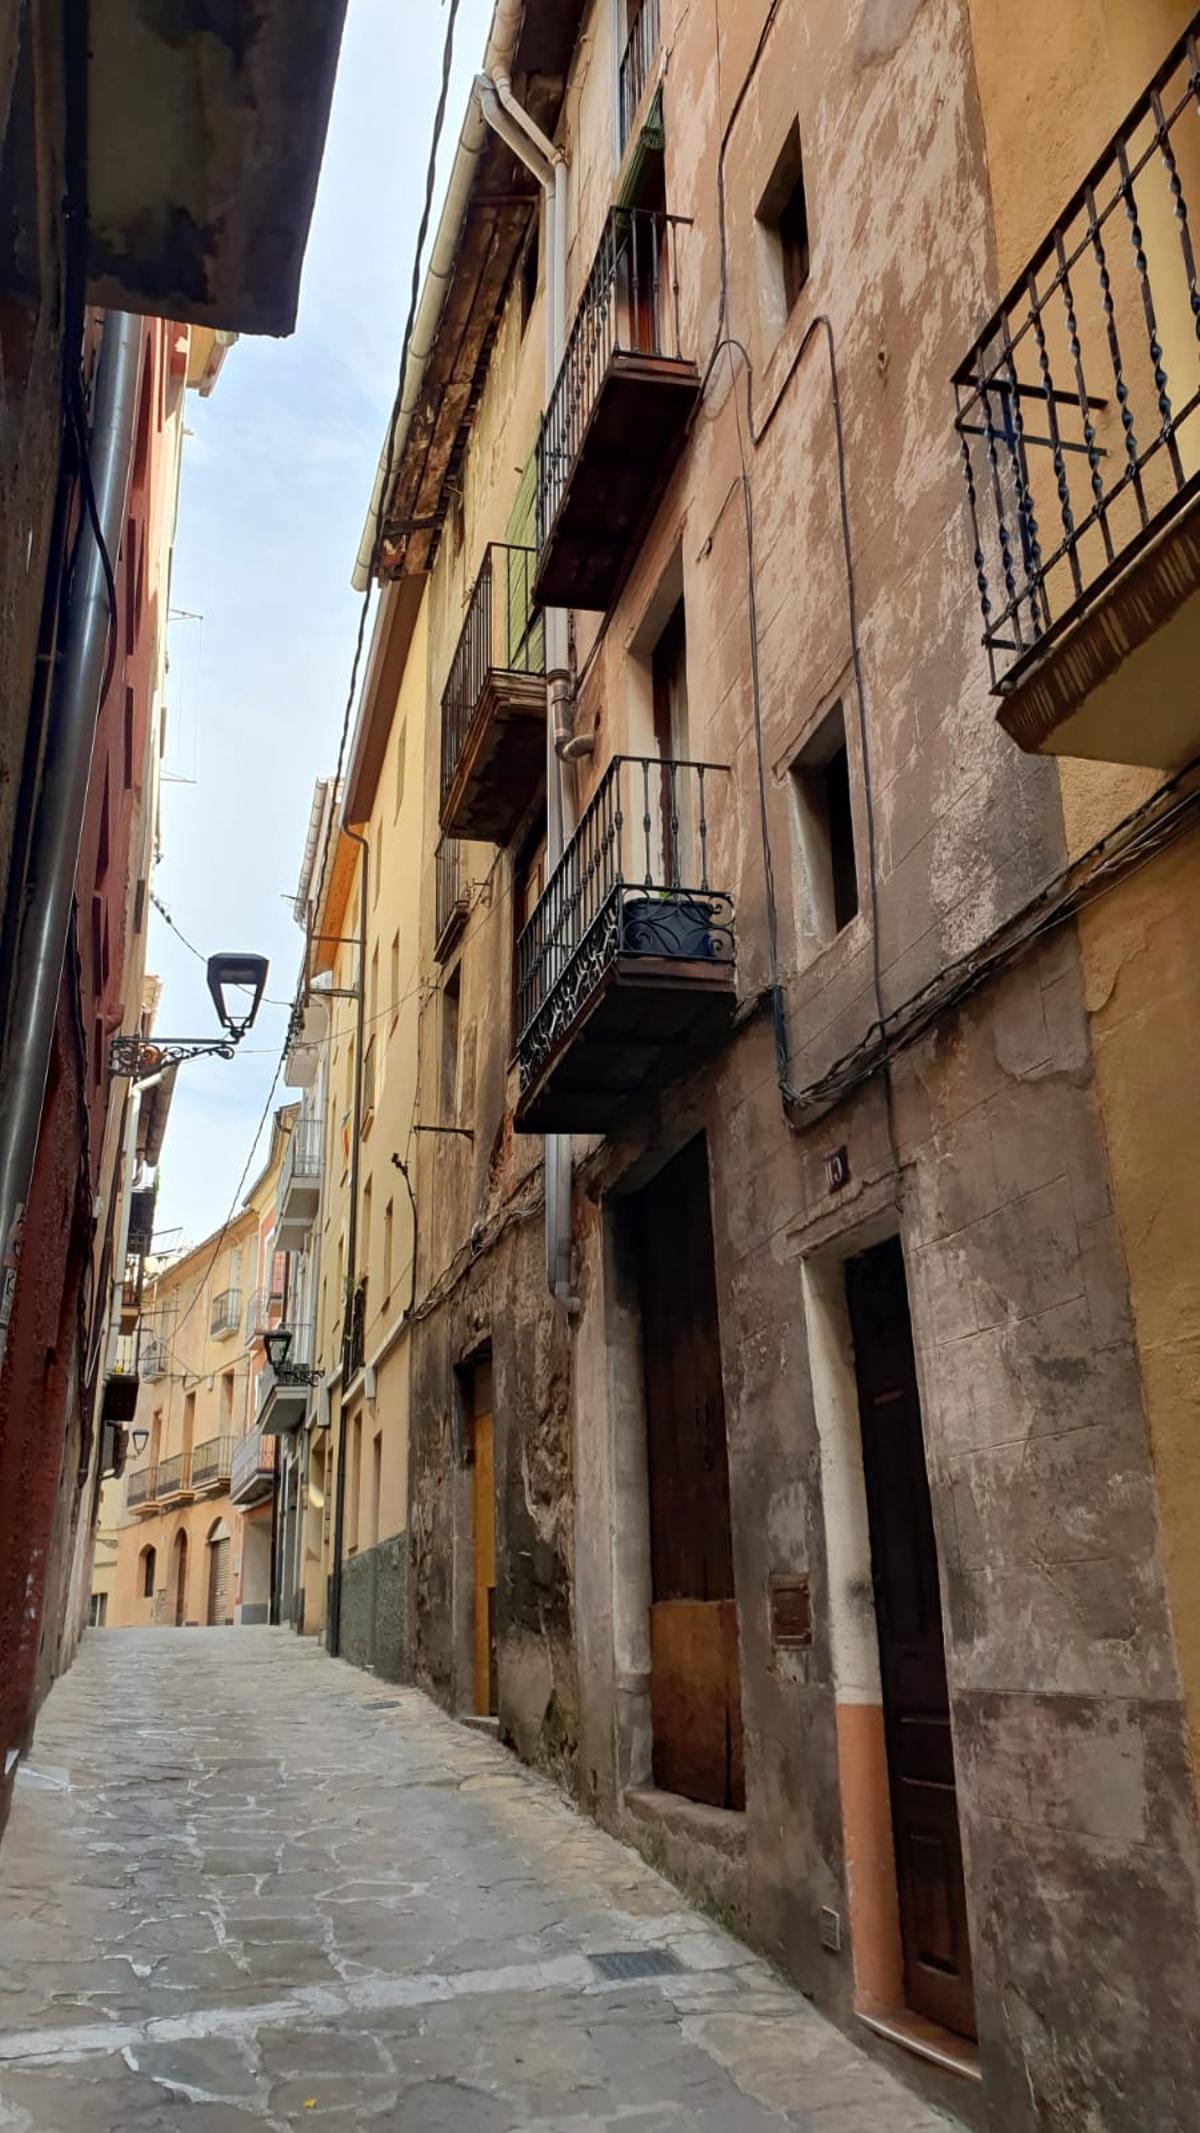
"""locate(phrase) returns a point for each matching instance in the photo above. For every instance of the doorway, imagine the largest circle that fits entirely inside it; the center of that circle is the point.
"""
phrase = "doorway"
(218, 1575)
(179, 1574)
(935, 1948)
(695, 1683)
(478, 1391)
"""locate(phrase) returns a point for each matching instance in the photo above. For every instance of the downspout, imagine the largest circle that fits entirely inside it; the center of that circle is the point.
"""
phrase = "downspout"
(549, 166)
(55, 850)
(334, 1626)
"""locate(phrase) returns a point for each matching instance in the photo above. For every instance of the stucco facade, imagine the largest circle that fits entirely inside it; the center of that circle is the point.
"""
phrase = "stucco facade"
(800, 599)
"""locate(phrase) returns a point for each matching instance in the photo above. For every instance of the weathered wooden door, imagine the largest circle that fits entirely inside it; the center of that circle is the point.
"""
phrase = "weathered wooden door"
(218, 1580)
(695, 1686)
(484, 1474)
(916, 1704)
(180, 1579)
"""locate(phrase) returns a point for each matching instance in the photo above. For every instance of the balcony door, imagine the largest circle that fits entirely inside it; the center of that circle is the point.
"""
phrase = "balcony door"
(668, 669)
(695, 1686)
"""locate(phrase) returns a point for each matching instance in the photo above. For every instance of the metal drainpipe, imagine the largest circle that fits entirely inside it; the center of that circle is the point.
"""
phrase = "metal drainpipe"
(334, 1637)
(54, 854)
(549, 166)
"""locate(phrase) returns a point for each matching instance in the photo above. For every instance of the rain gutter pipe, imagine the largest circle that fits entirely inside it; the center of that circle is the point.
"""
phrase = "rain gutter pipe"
(62, 800)
(548, 165)
(501, 45)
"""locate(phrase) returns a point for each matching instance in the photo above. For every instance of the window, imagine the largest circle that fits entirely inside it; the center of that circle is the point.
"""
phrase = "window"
(365, 1247)
(450, 1022)
(373, 995)
(783, 234)
(355, 1505)
(227, 1404)
(529, 277)
(189, 1424)
(376, 1489)
(393, 1002)
(399, 799)
(98, 1610)
(148, 1561)
(827, 872)
(130, 561)
(388, 1224)
(529, 879)
(376, 861)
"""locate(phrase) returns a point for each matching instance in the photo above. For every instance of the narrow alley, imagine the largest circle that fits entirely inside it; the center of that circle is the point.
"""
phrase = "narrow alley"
(245, 1881)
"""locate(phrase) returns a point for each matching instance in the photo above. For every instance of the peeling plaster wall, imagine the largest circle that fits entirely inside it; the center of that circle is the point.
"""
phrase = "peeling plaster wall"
(1141, 983)
(1078, 1821)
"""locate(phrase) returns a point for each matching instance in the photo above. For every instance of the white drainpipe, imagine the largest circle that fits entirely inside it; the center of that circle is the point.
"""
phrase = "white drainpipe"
(548, 165)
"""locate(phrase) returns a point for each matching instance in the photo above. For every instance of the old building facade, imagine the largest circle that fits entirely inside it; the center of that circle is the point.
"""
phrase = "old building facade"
(792, 1401)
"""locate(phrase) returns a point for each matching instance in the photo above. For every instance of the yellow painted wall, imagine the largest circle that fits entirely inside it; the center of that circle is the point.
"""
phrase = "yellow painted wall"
(1045, 123)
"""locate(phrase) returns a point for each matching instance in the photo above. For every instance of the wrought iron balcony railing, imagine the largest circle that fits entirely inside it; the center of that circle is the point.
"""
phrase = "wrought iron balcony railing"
(1079, 406)
(141, 1487)
(632, 890)
(630, 307)
(252, 1469)
(636, 62)
(262, 1312)
(452, 899)
(153, 1354)
(174, 1475)
(226, 1312)
(211, 1462)
(304, 1153)
(502, 634)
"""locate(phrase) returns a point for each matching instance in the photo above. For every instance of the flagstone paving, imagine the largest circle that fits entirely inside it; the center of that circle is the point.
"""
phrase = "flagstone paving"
(246, 1886)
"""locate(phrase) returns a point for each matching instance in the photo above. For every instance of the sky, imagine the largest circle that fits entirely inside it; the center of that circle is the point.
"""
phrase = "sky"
(277, 475)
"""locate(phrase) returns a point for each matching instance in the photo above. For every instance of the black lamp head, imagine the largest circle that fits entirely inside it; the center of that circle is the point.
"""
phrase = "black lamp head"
(276, 1346)
(237, 973)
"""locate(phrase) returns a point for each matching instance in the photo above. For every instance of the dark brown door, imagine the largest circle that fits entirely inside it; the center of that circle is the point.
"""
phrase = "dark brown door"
(916, 1705)
(695, 1689)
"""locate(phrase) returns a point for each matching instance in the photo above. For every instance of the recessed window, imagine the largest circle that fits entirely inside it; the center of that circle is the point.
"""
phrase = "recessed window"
(148, 1562)
(826, 869)
(783, 233)
(529, 277)
(450, 1020)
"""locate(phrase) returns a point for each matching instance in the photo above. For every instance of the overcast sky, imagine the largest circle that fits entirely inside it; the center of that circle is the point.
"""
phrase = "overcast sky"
(277, 476)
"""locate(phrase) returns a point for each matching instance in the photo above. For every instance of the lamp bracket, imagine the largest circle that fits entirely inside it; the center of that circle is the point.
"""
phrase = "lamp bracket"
(138, 1056)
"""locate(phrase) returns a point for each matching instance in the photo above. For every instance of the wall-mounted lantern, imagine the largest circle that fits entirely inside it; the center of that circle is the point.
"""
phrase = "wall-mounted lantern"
(246, 974)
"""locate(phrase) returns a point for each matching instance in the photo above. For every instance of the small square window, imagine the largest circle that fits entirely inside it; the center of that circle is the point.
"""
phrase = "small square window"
(823, 815)
(783, 234)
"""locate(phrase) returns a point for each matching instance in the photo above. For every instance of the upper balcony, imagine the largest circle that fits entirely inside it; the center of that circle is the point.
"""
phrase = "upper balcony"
(1079, 424)
(285, 1389)
(494, 703)
(299, 1197)
(210, 1465)
(625, 972)
(617, 416)
(452, 898)
(155, 1353)
(174, 1477)
(252, 1474)
(226, 1313)
(141, 1489)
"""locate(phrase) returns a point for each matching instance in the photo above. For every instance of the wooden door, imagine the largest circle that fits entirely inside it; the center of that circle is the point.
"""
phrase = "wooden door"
(695, 1687)
(181, 1570)
(218, 1581)
(484, 1478)
(916, 1704)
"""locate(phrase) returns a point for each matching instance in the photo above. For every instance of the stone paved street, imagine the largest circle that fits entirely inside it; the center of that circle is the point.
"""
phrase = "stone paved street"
(246, 1884)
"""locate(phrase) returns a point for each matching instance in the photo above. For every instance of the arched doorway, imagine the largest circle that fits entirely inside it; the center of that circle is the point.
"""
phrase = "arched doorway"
(179, 1570)
(218, 1574)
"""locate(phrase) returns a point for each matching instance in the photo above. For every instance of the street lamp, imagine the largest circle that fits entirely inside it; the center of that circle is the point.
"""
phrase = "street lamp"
(139, 1438)
(141, 1056)
(278, 1347)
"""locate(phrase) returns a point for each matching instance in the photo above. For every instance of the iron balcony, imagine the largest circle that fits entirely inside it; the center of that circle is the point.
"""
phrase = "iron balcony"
(452, 899)
(299, 1197)
(211, 1463)
(174, 1477)
(284, 1393)
(141, 1489)
(617, 416)
(226, 1313)
(494, 703)
(626, 970)
(252, 1472)
(1079, 429)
